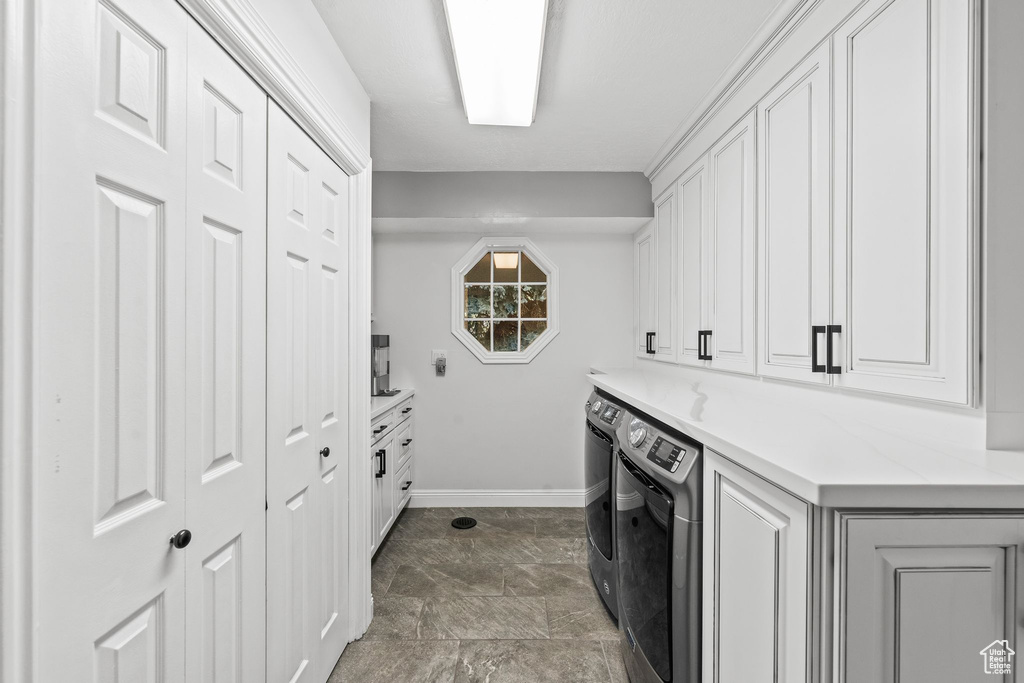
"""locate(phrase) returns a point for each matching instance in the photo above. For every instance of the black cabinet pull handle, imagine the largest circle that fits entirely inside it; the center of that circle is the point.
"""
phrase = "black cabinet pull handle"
(407, 442)
(829, 351)
(407, 485)
(380, 463)
(702, 345)
(407, 410)
(815, 331)
(650, 343)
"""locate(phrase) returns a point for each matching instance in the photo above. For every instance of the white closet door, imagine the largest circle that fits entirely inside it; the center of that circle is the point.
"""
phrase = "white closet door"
(793, 222)
(731, 249)
(692, 195)
(306, 405)
(109, 449)
(225, 482)
(905, 192)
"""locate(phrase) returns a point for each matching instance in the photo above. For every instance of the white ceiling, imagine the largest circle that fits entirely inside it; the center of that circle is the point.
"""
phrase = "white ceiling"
(618, 77)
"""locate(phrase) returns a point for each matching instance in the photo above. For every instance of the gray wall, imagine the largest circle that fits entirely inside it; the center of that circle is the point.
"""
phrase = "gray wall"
(400, 194)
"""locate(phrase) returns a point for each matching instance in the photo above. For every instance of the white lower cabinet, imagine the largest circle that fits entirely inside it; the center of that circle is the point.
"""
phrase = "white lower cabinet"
(391, 465)
(756, 579)
(922, 596)
(798, 593)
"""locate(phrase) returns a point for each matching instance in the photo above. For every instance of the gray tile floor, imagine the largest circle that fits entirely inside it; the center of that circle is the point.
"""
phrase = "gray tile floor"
(508, 601)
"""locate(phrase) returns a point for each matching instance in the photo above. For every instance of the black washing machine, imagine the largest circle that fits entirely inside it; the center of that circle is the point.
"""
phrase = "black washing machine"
(603, 418)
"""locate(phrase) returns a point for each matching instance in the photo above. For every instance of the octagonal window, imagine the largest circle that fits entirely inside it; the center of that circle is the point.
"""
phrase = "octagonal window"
(503, 300)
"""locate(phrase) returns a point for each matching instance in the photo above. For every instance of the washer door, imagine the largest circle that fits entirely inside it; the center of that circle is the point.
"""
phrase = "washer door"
(598, 455)
(644, 521)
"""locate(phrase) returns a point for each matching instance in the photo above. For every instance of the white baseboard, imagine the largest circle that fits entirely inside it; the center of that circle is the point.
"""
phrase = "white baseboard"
(556, 498)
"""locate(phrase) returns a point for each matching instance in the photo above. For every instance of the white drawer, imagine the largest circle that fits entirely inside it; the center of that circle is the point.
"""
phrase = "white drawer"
(381, 426)
(403, 443)
(403, 485)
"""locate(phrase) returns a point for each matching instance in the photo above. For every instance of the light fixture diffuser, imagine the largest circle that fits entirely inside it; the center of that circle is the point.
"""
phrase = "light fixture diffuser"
(497, 46)
(506, 260)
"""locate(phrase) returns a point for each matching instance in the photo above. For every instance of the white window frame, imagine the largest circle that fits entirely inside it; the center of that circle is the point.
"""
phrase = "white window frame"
(466, 263)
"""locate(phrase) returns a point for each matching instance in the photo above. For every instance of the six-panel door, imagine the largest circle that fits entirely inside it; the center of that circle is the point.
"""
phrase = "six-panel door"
(307, 206)
(110, 327)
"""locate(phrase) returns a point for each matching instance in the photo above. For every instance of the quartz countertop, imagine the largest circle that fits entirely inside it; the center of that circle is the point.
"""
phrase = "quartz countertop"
(382, 404)
(830, 448)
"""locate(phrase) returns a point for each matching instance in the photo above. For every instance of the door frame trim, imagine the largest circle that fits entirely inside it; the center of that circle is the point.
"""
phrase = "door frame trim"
(17, 219)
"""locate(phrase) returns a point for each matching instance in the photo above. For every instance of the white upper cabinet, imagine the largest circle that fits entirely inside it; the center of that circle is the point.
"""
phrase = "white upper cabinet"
(643, 294)
(793, 222)
(904, 198)
(730, 250)
(665, 246)
(692, 195)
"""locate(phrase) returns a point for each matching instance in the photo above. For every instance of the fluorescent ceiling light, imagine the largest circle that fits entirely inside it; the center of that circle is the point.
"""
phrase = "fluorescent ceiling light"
(505, 260)
(497, 45)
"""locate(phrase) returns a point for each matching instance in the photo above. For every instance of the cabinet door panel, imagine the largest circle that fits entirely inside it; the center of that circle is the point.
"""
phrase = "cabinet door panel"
(665, 247)
(756, 578)
(793, 225)
(643, 281)
(692, 195)
(731, 248)
(904, 186)
(922, 596)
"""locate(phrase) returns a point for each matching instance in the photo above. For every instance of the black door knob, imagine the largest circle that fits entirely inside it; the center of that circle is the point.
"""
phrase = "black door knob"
(181, 539)
(325, 451)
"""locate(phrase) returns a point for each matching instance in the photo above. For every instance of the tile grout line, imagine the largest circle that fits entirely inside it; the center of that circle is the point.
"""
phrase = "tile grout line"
(607, 664)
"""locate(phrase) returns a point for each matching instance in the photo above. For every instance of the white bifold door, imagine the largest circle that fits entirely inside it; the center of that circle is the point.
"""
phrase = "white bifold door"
(307, 412)
(150, 366)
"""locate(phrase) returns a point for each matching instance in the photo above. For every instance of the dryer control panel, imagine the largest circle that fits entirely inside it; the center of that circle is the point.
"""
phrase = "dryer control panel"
(666, 454)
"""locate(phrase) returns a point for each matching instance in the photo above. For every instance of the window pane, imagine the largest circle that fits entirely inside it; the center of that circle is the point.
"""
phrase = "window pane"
(531, 330)
(531, 273)
(535, 301)
(478, 301)
(481, 272)
(481, 330)
(506, 335)
(506, 266)
(506, 301)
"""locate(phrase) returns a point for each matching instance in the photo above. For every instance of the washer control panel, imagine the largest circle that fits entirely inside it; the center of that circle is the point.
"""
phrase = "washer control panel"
(666, 454)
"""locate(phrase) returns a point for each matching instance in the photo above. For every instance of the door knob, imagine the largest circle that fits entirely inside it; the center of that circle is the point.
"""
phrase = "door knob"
(325, 451)
(181, 539)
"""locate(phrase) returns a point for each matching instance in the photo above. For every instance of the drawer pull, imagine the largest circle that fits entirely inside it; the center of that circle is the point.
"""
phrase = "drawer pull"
(380, 429)
(407, 485)
(406, 442)
(407, 410)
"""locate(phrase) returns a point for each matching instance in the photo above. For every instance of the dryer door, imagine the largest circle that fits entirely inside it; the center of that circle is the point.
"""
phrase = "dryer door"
(644, 521)
(598, 457)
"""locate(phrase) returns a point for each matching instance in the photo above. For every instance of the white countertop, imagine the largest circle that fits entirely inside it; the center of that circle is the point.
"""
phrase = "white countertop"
(382, 404)
(827, 447)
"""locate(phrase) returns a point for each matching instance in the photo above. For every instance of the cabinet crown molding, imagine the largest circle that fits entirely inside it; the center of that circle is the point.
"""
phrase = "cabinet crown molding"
(243, 33)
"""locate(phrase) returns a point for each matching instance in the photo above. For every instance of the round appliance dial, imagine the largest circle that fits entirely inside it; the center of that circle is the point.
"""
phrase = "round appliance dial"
(637, 432)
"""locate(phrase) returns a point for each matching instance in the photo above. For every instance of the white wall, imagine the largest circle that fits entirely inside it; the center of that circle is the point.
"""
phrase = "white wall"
(501, 427)
(302, 31)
